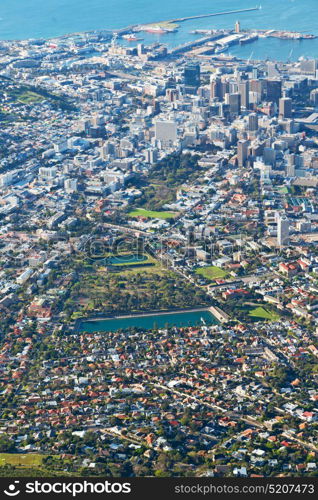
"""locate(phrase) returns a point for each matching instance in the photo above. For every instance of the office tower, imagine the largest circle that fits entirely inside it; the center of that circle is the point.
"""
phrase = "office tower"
(47, 173)
(237, 27)
(216, 88)
(166, 132)
(243, 88)
(290, 167)
(233, 87)
(272, 70)
(282, 230)
(256, 85)
(308, 67)
(314, 97)
(234, 101)
(242, 152)
(285, 107)
(269, 156)
(191, 78)
(140, 49)
(172, 95)
(151, 155)
(253, 122)
(70, 185)
(272, 90)
(6, 179)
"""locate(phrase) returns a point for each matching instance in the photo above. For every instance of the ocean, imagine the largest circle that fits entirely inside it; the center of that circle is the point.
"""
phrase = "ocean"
(21, 19)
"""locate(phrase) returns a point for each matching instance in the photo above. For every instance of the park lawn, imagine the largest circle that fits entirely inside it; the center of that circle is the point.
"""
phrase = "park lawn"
(151, 214)
(139, 263)
(135, 268)
(212, 272)
(262, 313)
(29, 97)
(17, 459)
(155, 269)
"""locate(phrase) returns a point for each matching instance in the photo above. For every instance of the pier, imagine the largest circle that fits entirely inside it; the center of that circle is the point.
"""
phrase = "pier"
(201, 16)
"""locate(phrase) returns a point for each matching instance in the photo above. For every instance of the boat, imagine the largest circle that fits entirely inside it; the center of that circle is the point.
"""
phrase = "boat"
(156, 29)
(221, 48)
(249, 39)
(131, 38)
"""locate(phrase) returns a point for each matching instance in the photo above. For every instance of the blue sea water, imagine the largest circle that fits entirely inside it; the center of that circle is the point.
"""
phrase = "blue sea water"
(21, 19)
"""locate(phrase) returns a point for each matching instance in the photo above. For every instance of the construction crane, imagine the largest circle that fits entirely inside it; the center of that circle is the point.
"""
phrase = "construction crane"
(113, 42)
(290, 54)
(249, 59)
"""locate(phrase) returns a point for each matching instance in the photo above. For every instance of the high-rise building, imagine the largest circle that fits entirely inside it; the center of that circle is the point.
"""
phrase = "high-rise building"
(216, 88)
(172, 95)
(290, 167)
(285, 107)
(272, 90)
(151, 155)
(314, 97)
(272, 70)
(70, 185)
(242, 152)
(308, 66)
(140, 49)
(253, 122)
(243, 88)
(234, 101)
(47, 173)
(6, 179)
(282, 230)
(166, 132)
(191, 78)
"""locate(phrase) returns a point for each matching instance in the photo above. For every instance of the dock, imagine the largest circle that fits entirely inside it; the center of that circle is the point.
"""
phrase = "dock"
(201, 16)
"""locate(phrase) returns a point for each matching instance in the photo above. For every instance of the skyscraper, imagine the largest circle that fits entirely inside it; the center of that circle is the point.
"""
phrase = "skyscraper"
(234, 101)
(216, 88)
(191, 78)
(282, 230)
(243, 88)
(242, 152)
(166, 132)
(253, 122)
(285, 107)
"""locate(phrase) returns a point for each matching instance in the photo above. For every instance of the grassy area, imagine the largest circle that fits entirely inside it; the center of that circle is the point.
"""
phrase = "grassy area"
(127, 288)
(262, 313)
(212, 272)
(155, 268)
(29, 97)
(30, 459)
(151, 214)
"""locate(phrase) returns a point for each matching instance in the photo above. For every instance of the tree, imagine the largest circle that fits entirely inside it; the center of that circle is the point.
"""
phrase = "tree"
(6, 444)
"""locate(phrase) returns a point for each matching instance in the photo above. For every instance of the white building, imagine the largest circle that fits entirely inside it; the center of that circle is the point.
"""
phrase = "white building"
(282, 230)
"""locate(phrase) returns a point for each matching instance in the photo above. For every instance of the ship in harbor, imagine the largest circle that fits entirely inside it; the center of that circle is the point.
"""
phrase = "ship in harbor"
(156, 29)
(249, 39)
(221, 48)
(131, 38)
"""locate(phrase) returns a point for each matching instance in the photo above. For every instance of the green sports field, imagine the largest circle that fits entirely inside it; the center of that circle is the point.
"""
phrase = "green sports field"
(262, 313)
(151, 214)
(21, 460)
(212, 272)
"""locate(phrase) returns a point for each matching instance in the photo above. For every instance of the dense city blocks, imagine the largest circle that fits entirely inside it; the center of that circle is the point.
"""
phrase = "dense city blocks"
(158, 257)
